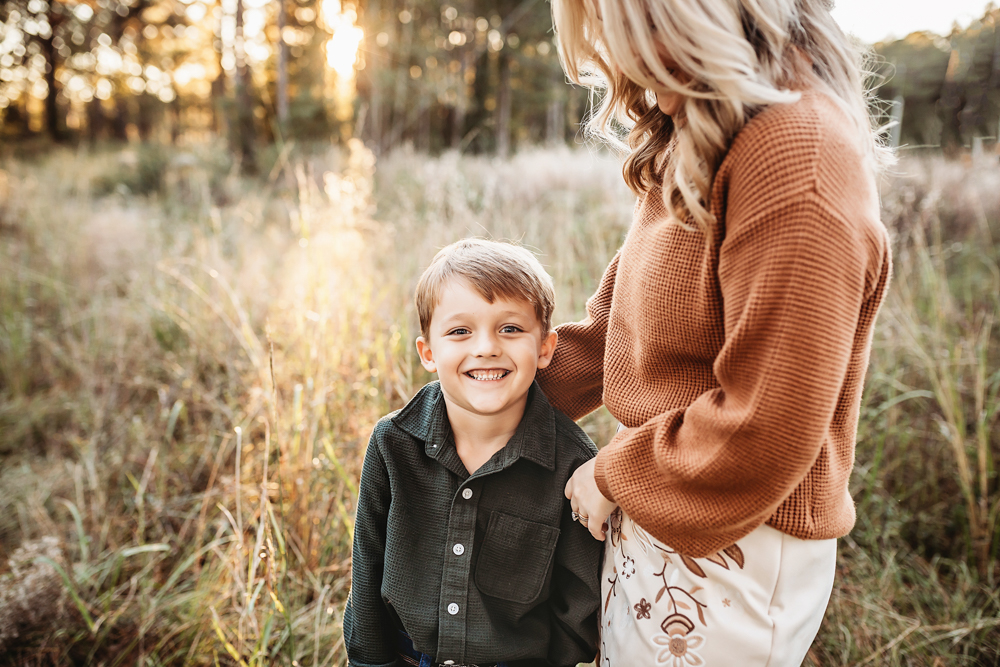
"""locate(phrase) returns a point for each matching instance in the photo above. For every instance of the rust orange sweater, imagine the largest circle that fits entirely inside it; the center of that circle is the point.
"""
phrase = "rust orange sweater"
(737, 366)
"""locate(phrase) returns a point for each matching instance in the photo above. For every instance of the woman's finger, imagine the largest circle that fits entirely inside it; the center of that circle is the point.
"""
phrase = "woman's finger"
(587, 500)
(577, 482)
(596, 527)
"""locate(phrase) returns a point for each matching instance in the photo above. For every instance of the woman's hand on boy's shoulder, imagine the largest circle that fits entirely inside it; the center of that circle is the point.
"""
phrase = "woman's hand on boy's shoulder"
(586, 499)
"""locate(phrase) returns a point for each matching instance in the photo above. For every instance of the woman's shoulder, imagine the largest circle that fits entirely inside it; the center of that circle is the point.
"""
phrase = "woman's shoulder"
(809, 145)
(804, 123)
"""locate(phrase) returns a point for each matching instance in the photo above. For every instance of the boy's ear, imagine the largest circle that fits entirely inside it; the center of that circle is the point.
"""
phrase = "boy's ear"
(549, 342)
(426, 355)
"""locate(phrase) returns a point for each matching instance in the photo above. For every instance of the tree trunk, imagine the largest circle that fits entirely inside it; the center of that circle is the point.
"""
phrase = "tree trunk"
(368, 91)
(282, 74)
(400, 107)
(896, 119)
(145, 121)
(555, 122)
(423, 139)
(374, 129)
(503, 107)
(478, 117)
(462, 104)
(244, 104)
(96, 120)
(51, 106)
(175, 121)
(950, 105)
(458, 125)
(120, 124)
(218, 99)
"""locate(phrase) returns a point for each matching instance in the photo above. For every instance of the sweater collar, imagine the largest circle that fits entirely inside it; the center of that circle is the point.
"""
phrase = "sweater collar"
(425, 418)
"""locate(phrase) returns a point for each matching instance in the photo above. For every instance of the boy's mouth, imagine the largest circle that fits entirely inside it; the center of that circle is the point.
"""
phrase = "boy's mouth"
(488, 375)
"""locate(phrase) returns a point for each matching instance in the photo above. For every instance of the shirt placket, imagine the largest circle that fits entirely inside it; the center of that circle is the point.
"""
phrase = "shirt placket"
(455, 581)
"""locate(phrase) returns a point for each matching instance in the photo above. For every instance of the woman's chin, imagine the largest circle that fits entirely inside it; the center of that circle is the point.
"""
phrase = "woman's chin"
(669, 103)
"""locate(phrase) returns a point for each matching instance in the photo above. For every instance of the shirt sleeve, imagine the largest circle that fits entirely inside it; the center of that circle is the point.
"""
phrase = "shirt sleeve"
(793, 281)
(369, 633)
(576, 594)
(574, 380)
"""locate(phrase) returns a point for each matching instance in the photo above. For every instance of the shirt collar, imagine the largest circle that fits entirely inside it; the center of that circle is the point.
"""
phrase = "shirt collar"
(425, 418)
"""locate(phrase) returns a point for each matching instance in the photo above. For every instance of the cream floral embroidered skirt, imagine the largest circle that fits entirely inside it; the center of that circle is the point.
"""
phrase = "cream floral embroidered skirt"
(758, 603)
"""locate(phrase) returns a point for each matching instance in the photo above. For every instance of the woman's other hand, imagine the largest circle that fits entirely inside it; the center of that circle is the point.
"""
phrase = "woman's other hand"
(587, 500)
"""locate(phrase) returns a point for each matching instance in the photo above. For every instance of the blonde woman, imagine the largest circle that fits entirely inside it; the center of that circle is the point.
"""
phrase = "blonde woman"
(731, 333)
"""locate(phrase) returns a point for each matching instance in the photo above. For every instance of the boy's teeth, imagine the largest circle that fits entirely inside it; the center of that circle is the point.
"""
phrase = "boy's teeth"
(486, 375)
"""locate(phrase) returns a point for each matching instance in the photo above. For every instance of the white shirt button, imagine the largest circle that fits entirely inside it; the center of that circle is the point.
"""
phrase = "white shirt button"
(467, 493)
(458, 549)
(449, 662)
(453, 609)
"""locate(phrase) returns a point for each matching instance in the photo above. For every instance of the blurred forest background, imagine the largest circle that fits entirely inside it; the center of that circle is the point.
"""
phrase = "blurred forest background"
(472, 75)
(212, 217)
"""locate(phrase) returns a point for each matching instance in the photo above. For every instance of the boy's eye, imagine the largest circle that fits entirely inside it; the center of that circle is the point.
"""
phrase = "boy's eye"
(510, 328)
(460, 331)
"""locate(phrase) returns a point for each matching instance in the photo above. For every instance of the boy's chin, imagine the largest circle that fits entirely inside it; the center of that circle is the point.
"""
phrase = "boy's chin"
(488, 408)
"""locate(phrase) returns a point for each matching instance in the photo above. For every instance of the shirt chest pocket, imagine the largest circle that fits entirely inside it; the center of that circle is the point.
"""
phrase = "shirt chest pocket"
(515, 558)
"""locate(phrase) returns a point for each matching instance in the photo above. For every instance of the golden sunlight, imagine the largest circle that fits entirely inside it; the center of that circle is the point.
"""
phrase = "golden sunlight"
(342, 49)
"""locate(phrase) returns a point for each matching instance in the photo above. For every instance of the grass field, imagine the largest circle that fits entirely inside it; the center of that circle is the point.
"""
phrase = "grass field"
(191, 363)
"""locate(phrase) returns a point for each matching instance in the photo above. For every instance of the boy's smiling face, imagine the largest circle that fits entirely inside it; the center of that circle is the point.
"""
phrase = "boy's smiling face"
(485, 354)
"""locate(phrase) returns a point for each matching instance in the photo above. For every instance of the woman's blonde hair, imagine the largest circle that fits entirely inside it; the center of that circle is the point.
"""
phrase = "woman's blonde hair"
(741, 56)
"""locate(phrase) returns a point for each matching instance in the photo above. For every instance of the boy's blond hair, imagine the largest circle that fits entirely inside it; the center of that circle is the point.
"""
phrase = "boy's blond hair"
(495, 270)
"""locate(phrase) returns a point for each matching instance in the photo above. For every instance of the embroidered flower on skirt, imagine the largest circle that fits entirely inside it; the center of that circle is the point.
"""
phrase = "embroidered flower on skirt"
(679, 641)
(679, 651)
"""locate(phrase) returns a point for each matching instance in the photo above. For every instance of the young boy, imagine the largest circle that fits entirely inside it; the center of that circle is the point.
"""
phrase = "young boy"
(465, 548)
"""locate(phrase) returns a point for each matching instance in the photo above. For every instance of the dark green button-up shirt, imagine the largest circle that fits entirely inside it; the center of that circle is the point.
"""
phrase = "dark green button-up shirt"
(475, 568)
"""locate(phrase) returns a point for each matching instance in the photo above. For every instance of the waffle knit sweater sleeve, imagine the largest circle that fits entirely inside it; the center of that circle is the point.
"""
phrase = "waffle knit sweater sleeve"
(737, 364)
(579, 385)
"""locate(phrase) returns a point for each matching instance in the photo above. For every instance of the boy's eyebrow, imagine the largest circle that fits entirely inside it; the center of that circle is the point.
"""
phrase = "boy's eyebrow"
(507, 313)
(504, 313)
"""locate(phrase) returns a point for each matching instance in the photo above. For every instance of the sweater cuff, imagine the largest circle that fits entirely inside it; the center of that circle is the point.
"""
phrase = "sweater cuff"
(599, 475)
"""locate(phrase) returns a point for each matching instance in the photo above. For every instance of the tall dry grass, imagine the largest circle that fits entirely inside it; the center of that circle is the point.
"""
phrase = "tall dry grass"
(191, 363)
(187, 379)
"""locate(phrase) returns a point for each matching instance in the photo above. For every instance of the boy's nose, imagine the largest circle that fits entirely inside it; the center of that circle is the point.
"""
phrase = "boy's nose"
(487, 346)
